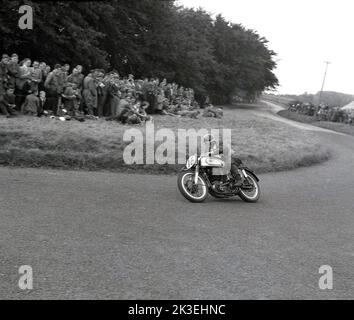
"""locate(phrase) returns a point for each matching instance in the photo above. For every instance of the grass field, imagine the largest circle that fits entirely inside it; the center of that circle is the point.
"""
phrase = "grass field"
(335, 126)
(263, 144)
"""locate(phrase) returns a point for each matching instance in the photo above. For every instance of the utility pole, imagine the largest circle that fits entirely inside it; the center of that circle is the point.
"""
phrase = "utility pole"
(324, 80)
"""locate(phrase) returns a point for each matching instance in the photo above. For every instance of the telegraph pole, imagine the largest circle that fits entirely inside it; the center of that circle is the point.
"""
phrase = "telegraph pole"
(324, 80)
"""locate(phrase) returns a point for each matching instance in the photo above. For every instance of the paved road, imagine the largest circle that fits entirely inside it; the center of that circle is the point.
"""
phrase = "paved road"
(101, 235)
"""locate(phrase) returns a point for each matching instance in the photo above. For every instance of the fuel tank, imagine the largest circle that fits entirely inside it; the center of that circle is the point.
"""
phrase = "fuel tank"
(212, 162)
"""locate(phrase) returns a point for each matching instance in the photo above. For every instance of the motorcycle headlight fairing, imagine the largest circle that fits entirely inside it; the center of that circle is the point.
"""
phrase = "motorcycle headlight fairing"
(191, 162)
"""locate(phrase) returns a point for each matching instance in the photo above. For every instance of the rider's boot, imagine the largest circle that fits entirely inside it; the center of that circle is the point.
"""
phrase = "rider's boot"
(238, 178)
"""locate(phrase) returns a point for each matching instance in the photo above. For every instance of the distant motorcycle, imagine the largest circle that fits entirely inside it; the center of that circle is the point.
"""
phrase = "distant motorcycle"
(206, 174)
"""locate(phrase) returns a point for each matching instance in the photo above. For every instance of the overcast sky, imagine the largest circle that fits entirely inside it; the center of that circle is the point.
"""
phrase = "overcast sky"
(304, 34)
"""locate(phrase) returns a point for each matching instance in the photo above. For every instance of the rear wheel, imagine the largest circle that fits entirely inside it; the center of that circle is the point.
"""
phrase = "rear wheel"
(250, 194)
(191, 191)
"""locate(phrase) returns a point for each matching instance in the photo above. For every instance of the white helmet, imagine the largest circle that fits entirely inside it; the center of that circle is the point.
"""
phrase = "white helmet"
(209, 138)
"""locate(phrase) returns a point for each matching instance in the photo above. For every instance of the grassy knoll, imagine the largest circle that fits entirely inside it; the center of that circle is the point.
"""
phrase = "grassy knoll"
(263, 144)
(335, 126)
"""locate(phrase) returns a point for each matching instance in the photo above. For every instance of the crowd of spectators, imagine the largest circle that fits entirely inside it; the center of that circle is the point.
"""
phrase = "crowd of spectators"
(34, 88)
(324, 112)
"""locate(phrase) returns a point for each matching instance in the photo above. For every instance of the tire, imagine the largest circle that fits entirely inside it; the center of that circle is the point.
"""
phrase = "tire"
(252, 198)
(185, 176)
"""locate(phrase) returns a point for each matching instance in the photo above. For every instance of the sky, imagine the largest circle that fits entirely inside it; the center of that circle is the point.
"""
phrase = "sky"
(304, 34)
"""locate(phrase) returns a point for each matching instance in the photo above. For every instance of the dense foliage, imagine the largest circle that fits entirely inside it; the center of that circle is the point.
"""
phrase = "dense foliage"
(147, 38)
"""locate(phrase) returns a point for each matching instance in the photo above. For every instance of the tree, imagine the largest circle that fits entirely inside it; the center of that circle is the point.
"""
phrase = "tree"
(149, 38)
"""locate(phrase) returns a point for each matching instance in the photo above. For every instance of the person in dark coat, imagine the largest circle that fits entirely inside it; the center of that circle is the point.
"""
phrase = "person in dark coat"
(7, 103)
(31, 105)
(54, 86)
(4, 78)
(36, 76)
(102, 93)
(42, 103)
(75, 79)
(13, 70)
(89, 93)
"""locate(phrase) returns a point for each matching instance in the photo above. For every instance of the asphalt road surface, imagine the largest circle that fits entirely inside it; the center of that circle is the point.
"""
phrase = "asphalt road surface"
(92, 235)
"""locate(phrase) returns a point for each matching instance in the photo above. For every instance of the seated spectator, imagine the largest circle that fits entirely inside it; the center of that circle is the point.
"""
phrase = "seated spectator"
(71, 98)
(211, 111)
(42, 103)
(31, 105)
(184, 111)
(102, 94)
(7, 103)
(134, 114)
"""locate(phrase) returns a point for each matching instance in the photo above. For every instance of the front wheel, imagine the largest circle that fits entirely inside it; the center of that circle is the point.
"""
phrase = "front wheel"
(191, 191)
(250, 195)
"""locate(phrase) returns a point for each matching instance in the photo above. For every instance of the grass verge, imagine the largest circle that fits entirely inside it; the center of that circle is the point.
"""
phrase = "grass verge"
(263, 144)
(335, 126)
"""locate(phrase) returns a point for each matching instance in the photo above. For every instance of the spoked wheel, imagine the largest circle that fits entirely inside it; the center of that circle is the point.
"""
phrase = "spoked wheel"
(252, 192)
(191, 191)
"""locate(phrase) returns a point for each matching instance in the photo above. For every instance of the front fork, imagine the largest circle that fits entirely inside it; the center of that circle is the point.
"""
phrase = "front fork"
(245, 175)
(196, 174)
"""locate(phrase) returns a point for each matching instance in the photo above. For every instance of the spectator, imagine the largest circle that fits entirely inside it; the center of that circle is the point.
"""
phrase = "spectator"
(7, 103)
(114, 100)
(102, 95)
(89, 93)
(211, 111)
(71, 98)
(3, 74)
(102, 92)
(13, 70)
(76, 77)
(66, 69)
(46, 71)
(36, 76)
(42, 103)
(54, 86)
(31, 105)
(23, 86)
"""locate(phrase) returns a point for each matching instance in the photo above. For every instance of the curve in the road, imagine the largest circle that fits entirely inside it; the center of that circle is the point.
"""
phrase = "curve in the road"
(101, 235)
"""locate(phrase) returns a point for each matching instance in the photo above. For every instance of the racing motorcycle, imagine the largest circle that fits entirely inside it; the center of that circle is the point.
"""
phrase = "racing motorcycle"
(205, 174)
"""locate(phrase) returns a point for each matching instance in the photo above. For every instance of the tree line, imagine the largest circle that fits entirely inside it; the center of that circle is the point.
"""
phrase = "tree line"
(147, 38)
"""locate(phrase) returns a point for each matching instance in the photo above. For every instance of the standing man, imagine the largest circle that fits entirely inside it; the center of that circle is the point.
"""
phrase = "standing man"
(36, 76)
(13, 70)
(89, 93)
(102, 92)
(23, 83)
(76, 79)
(66, 70)
(54, 86)
(3, 74)
(42, 67)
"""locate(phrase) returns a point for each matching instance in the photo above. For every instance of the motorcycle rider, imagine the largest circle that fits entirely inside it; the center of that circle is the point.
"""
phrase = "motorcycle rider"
(212, 148)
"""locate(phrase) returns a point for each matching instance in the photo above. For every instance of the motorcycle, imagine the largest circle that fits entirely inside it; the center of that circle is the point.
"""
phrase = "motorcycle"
(205, 174)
